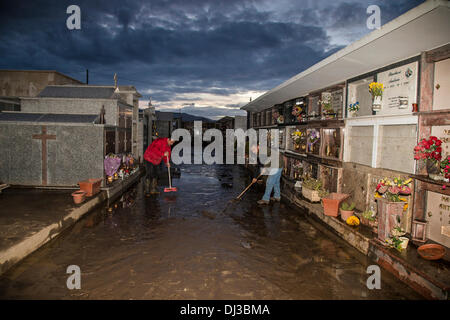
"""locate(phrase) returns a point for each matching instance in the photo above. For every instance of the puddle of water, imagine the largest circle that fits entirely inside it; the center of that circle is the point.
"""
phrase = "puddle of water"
(182, 247)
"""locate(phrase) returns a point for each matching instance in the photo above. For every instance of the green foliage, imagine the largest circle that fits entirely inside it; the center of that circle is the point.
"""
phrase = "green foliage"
(369, 215)
(312, 184)
(348, 207)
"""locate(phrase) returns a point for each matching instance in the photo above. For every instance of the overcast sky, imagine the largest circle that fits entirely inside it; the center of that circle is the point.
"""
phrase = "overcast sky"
(213, 54)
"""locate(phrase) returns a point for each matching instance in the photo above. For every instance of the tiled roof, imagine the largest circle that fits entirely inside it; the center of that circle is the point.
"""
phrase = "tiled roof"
(82, 92)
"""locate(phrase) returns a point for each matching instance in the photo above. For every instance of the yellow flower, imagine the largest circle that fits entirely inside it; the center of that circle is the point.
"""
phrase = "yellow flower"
(377, 195)
(407, 181)
(353, 221)
(403, 199)
(405, 207)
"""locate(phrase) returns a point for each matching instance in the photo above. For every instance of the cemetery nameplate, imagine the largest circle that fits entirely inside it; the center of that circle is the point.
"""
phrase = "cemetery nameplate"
(400, 89)
(438, 217)
(336, 101)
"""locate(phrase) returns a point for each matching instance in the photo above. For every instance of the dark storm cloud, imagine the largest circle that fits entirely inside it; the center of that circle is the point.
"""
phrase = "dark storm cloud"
(177, 46)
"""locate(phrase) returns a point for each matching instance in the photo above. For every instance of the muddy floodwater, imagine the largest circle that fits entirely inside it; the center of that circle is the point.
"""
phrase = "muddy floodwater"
(195, 244)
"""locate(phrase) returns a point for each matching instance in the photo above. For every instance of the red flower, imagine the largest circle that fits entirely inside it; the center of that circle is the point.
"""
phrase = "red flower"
(438, 142)
(433, 138)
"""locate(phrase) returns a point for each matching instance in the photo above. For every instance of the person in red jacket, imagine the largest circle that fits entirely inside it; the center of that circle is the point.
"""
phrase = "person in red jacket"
(158, 150)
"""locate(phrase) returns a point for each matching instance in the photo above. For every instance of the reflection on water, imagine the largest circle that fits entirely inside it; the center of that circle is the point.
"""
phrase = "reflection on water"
(198, 244)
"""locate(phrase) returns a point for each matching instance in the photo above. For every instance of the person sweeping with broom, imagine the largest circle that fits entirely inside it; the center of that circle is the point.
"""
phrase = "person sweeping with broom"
(156, 151)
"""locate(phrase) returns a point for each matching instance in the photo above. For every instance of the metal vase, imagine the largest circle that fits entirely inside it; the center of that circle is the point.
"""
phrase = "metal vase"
(389, 213)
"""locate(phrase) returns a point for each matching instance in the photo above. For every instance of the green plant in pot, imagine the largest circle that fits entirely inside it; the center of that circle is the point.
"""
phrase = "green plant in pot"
(312, 189)
(397, 239)
(347, 210)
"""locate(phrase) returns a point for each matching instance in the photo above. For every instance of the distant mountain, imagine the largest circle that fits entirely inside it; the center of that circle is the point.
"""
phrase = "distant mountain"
(186, 117)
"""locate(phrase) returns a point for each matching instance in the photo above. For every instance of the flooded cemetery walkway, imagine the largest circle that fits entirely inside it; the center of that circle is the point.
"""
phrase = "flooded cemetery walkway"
(180, 246)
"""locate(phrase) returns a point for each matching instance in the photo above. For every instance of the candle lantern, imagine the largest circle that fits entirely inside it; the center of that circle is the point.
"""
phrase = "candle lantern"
(418, 230)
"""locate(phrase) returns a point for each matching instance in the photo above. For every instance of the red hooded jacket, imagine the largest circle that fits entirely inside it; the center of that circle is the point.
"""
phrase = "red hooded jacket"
(155, 151)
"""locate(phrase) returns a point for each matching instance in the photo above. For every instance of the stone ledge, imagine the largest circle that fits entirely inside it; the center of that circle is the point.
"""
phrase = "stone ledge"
(350, 234)
(431, 287)
(17, 252)
(404, 268)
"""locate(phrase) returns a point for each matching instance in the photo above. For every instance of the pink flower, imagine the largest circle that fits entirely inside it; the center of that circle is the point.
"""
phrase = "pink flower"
(394, 190)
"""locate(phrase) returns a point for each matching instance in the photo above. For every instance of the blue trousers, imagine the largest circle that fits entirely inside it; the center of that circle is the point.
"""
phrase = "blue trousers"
(273, 182)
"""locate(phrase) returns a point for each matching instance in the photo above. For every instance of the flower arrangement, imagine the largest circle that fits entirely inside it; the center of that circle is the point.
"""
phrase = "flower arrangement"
(279, 118)
(445, 167)
(369, 215)
(428, 149)
(297, 112)
(393, 189)
(326, 106)
(353, 107)
(314, 136)
(352, 221)
(396, 238)
(376, 89)
(297, 165)
(296, 136)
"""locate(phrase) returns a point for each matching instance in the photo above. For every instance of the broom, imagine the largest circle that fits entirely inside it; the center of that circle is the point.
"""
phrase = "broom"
(170, 189)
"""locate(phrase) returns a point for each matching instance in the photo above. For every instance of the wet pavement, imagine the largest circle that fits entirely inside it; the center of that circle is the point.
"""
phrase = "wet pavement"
(197, 244)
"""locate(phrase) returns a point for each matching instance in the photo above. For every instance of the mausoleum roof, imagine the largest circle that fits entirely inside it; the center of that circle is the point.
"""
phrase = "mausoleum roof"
(81, 92)
(47, 117)
(423, 28)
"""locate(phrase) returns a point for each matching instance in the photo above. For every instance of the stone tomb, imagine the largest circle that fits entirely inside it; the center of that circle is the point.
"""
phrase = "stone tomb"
(51, 150)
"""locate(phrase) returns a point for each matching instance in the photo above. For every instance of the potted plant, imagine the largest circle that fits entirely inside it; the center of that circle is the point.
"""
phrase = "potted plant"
(430, 151)
(391, 203)
(368, 218)
(397, 240)
(376, 90)
(332, 202)
(312, 189)
(347, 210)
(352, 221)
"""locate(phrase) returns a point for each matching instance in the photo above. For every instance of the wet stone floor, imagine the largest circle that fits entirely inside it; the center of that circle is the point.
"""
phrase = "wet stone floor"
(197, 244)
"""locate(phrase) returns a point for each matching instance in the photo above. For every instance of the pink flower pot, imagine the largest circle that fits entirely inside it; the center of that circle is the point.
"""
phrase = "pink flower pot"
(345, 214)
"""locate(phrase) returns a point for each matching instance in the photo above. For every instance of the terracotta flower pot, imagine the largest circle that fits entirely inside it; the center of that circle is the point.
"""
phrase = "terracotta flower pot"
(90, 186)
(78, 196)
(332, 202)
(345, 214)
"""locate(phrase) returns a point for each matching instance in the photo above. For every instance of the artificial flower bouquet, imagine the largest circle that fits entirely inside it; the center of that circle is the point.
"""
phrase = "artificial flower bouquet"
(376, 89)
(428, 149)
(393, 190)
